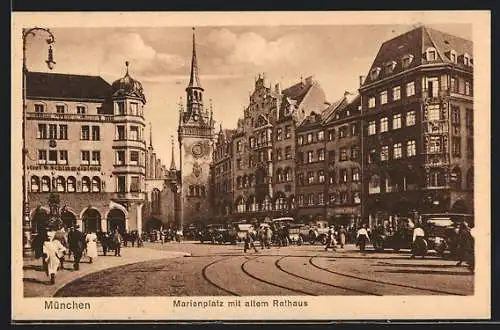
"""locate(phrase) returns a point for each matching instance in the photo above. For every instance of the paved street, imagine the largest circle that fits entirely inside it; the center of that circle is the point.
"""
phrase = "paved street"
(296, 270)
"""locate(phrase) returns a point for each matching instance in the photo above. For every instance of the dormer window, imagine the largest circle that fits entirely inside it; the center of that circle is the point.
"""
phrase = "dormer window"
(374, 73)
(453, 56)
(467, 60)
(389, 67)
(431, 54)
(407, 60)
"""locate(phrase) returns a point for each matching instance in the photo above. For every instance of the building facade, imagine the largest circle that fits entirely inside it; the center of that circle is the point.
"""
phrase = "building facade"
(417, 108)
(196, 134)
(85, 141)
(222, 176)
(264, 148)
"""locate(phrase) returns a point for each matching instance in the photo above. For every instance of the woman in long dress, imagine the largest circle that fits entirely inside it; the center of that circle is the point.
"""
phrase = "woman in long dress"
(91, 240)
(52, 251)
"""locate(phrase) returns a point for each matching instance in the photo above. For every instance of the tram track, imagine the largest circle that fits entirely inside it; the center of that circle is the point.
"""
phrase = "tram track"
(207, 278)
(360, 278)
(363, 292)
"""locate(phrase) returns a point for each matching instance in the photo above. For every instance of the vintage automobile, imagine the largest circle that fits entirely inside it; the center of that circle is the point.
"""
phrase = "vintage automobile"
(294, 233)
(241, 231)
(316, 231)
(210, 233)
(400, 238)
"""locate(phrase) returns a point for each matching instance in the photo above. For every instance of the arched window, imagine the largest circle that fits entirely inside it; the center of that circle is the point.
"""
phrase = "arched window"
(292, 202)
(456, 178)
(245, 181)
(45, 184)
(374, 184)
(288, 174)
(203, 191)
(279, 175)
(267, 204)
(60, 184)
(197, 191)
(191, 190)
(85, 184)
(280, 203)
(155, 201)
(71, 184)
(96, 184)
(253, 204)
(431, 54)
(241, 207)
(35, 184)
(238, 182)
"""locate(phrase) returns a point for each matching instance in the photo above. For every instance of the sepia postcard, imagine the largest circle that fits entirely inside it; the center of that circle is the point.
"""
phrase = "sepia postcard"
(250, 166)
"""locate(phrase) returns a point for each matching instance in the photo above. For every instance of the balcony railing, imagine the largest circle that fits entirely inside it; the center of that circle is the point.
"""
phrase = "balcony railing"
(129, 195)
(68, 116)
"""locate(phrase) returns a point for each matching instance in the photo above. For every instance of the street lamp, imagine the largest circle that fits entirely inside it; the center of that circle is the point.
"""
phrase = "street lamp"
(50, 63)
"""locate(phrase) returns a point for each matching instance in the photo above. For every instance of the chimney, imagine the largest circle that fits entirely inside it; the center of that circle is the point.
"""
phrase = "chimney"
(361, 80)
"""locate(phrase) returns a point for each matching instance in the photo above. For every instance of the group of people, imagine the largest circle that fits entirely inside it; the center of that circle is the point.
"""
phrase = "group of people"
(54, 246)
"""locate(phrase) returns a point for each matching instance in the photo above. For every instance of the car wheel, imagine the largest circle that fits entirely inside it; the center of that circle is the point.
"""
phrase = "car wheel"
(312, 238)
(378, 245)
(323, 240)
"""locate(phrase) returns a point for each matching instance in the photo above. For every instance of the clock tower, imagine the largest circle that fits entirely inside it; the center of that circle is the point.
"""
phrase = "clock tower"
(196, 134)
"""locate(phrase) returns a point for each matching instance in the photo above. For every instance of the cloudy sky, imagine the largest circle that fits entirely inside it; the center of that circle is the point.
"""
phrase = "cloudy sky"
(229, 59)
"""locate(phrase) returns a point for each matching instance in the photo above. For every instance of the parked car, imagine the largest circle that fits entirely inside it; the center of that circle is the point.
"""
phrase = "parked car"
(400, 238)
(241, 231)
(294, 233)
(209, 233)
(316, 231)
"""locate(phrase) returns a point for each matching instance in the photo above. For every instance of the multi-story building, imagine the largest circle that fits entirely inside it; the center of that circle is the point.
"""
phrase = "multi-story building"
(343, 156)
(85, 144)
(328, 163)
(197, 136)
(264, 147)
(310, 168)
(417, 106)
(222, 175)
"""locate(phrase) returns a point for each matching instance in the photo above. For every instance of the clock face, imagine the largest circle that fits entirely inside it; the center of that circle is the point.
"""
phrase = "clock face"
(197, 150)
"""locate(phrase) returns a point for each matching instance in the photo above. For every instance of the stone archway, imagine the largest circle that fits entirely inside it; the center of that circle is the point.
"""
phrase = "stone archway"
(68, 219)
(116, 220)
(91, 220)
(39, 219)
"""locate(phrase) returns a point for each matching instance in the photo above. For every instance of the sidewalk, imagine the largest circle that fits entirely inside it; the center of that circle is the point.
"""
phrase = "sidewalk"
(37, 284)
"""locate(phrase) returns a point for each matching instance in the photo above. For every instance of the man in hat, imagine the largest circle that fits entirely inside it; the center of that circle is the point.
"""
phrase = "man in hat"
(76, 242)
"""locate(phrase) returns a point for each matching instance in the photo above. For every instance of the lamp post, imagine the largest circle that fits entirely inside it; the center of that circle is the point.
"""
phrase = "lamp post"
(50, 63)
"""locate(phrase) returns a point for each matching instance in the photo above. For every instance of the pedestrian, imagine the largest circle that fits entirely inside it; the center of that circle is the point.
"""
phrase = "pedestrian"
(76, 242)
(330, 240)
(249, 241)
(52, 252)
(91, 240)
(419, 243)
(268, 234)
(362, 237)
(465, 246)
(117, 242)
(62, 237)
(342, 236)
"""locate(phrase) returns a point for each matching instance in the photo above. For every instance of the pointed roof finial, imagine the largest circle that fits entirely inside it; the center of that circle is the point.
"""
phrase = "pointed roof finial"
(126, 65)
(150, 135)
(194, 80)
(172, 164)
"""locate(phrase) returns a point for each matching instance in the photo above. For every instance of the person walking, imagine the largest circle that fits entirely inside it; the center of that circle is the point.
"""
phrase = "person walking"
(62, 237)
(117, 242)
(91, 240)
(268, 234)
(249, 241)
(330, 240)
(76, 242)
(419, 243)
(342, 236)
(53, 250)
(465, 246)
(362, 237)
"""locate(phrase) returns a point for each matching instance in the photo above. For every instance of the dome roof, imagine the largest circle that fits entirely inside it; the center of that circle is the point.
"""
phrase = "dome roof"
(128, 86)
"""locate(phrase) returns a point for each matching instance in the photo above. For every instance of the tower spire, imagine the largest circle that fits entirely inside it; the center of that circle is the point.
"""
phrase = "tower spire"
(150, 135)
(194, 80)
(172, 164)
